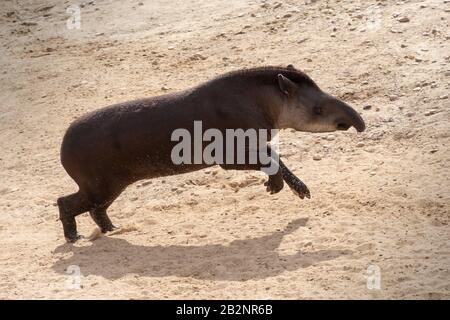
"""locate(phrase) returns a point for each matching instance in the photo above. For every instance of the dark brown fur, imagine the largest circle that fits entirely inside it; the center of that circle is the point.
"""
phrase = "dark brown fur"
(110, 148)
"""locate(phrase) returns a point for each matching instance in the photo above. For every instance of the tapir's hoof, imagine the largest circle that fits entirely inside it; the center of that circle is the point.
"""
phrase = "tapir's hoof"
(110, 228)
(274, 185)
(74, 238)
(300, 189)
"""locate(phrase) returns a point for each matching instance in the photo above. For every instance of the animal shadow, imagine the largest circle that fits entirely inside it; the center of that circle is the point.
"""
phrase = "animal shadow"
(241, 260)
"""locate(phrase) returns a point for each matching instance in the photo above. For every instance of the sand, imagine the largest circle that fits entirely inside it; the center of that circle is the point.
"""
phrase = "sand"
(380, 199)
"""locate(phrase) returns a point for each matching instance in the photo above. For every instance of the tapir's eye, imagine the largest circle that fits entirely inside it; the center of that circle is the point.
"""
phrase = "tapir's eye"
(318, 110)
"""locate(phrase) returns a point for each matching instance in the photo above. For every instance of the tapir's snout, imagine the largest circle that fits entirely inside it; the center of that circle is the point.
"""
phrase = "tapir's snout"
(349, 118)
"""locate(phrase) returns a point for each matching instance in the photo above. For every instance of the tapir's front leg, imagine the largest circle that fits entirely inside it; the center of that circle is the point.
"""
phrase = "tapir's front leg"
(275, 182)
(283, 173)
(296, 185)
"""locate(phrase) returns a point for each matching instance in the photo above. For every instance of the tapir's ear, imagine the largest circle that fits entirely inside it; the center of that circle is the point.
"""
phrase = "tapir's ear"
(286, 85)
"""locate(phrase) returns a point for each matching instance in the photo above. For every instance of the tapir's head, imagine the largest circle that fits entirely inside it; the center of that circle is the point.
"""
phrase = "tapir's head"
(307, 108)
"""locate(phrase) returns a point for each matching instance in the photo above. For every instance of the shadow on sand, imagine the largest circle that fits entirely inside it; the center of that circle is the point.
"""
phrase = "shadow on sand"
(241, 260)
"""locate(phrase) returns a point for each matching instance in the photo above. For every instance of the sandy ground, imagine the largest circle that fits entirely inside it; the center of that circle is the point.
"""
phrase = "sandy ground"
(380, 200)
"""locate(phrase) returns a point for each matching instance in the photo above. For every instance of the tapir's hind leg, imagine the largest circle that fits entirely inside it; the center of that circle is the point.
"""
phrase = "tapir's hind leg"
(95, 199)
(101, 218)
(69, 207)
(104, 195)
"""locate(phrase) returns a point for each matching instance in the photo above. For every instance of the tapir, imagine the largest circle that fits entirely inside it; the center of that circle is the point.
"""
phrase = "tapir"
(106, 150)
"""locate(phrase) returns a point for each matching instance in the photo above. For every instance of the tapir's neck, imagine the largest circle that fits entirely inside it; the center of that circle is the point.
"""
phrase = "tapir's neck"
(270, 102)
